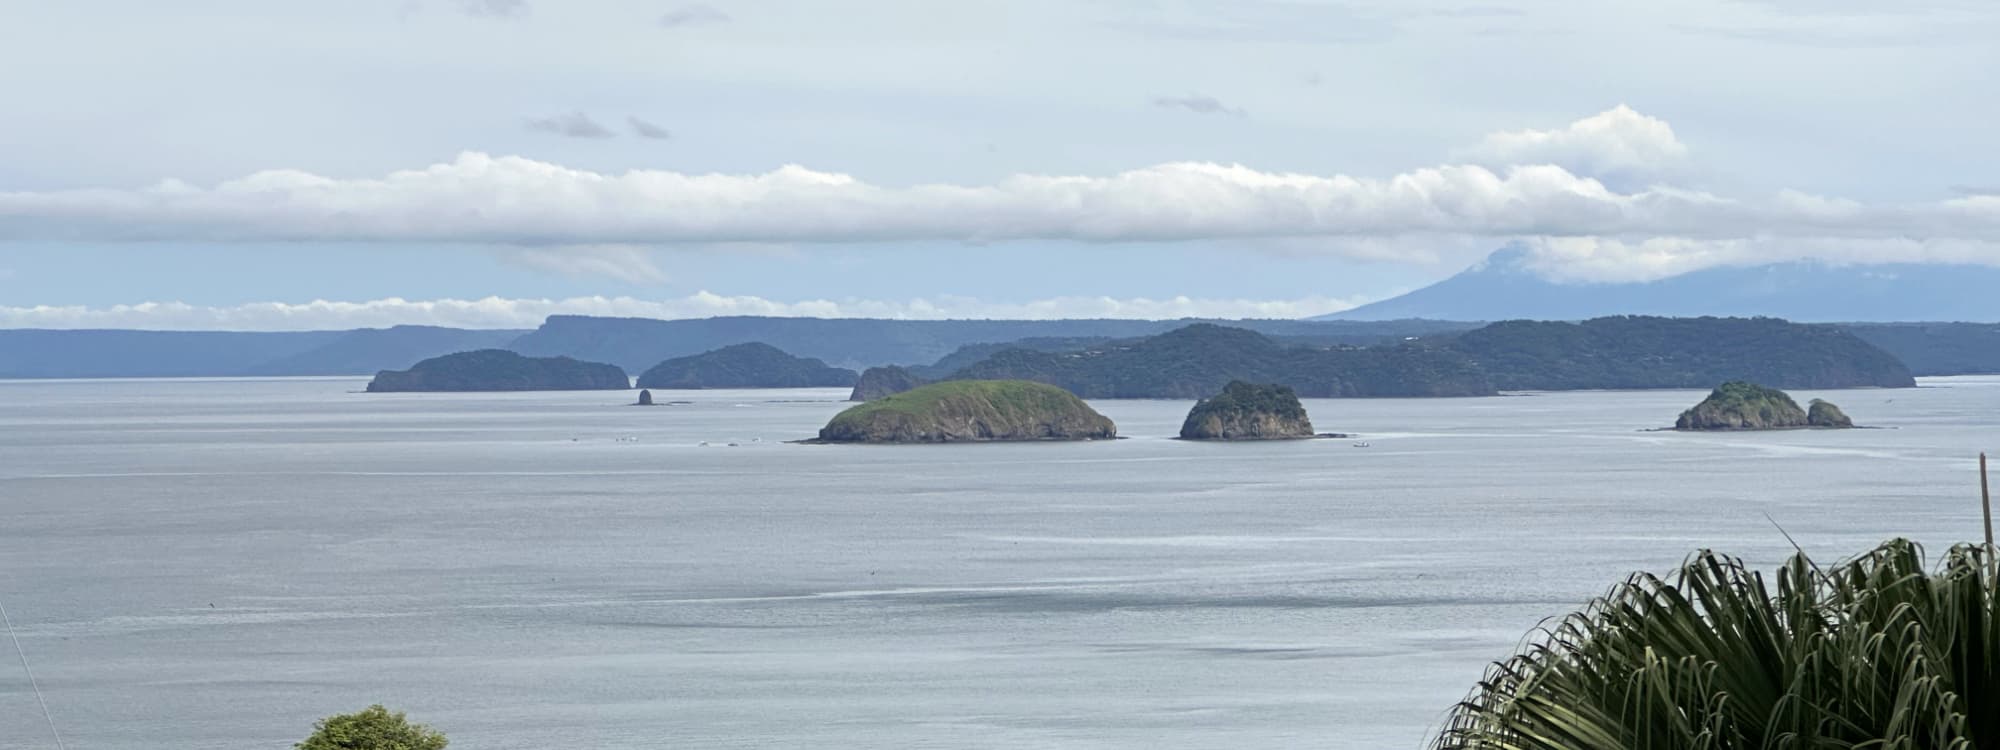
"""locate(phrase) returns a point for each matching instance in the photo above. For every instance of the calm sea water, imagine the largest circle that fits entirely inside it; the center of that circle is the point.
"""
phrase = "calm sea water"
(217, 563)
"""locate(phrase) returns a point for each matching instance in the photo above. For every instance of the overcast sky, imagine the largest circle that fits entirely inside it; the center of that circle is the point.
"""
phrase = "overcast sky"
(254, 164)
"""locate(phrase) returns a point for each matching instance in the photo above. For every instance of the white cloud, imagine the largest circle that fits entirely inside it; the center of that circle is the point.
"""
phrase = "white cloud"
(478, 198)
(497, 312)
(1602, 259)
(1530, 184)
(1616, 143)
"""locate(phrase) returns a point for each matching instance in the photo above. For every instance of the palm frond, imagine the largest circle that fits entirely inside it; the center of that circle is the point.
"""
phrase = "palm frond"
(1875, 653)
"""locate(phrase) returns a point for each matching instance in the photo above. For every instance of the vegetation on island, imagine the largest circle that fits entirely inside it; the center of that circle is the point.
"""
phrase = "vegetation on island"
(1875, 653)
(970, 411)
(1246, 411)
(1199, 360)
(1936, 348)
(971, 354)
(1737, 405)
(501, 370)
(876, 382)
(751, 365)
(1635, 352)
(859, 343)
(1631, 352)
(1608, 353)
(372, 728)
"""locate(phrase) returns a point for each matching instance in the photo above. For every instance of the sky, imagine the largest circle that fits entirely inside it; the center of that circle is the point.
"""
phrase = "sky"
(275, 166)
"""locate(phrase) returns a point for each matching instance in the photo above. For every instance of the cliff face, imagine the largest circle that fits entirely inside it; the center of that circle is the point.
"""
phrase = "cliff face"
(1243, 411)
(1824, 414)
(501, 370)
(970, 411)
(751, 365)
(1743, 406)
(877, 382)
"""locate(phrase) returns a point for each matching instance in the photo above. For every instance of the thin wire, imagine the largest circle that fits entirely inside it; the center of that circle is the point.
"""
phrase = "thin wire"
(31, 678)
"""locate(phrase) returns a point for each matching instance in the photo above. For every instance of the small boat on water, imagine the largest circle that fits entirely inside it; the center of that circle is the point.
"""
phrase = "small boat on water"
(1360, 443)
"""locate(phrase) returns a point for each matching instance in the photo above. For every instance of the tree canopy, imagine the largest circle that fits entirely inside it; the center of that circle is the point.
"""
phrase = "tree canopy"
(372, 728)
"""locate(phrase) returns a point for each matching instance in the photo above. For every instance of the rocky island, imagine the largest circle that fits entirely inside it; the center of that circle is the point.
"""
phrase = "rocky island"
(751, 365)
(877, 382)
(970, 411)
(1739, 405)
(1246, 411)
(501, 370)
(1824, 414)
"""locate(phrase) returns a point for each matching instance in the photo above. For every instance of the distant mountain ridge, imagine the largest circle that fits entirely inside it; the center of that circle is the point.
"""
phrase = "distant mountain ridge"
(1635, 352)
(47, 353)
(1201, 359)
(1624, 352)
(1505, 288)
(633, 343)
(930, 349)
(42, 353)
(1937, 348)
(860, 343)
(376, 349)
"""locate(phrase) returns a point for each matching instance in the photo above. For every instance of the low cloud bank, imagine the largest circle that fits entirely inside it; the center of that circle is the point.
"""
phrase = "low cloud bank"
(497, 312)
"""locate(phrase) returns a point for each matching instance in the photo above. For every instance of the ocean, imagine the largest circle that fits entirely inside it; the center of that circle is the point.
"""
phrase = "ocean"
(218, 563)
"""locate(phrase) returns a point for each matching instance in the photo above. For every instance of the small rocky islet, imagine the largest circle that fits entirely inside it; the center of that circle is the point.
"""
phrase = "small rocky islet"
(1822, 413)
(967, 411)
(1739, 405)
(1248, 411)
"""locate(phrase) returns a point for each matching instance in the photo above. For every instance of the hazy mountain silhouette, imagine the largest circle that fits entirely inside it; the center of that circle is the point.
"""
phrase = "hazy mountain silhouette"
(1503, 288)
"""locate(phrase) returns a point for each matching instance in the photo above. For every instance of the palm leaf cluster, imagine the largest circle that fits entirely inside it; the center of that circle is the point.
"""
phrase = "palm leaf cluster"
(1876, 653)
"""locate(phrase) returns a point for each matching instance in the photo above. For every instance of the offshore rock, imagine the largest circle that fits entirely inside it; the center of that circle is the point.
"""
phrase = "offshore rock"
(1738, 405)
(1246, 411)
(1825, 414)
